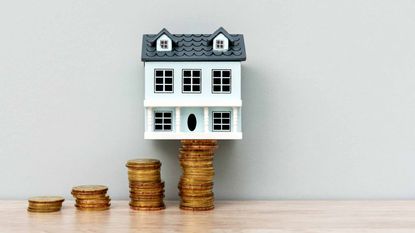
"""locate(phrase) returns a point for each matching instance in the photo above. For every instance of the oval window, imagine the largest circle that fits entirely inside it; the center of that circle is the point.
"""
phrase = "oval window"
(191, 122)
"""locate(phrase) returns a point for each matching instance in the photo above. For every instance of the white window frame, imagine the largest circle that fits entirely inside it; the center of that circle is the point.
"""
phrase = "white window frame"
(192, 84)
(163, 118)
(221, 119)
(221, 83)
(163, 78)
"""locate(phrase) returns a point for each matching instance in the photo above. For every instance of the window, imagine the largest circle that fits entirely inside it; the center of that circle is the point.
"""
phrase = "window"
(163, 121)
(164, 44)
(220, 44)
(191, 81)
(163, 81)
(221, 81)
(221, 121)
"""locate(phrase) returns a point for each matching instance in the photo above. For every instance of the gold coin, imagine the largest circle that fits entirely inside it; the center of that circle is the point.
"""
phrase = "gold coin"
(93, 202)
(143, 163)
(148, 208)
(89, 189)
(46, 199)
(92, 205)
(91, 196)
(197, 208)
(92, 209)
(43, 210)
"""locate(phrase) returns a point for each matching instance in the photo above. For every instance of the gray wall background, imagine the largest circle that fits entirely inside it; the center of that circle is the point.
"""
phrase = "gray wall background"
(328, 91)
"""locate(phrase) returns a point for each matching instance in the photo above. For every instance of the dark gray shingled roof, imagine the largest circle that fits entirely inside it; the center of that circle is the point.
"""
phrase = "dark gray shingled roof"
(193, 47)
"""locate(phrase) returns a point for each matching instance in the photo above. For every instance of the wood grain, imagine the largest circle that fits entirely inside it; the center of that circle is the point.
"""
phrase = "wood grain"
(229, 216)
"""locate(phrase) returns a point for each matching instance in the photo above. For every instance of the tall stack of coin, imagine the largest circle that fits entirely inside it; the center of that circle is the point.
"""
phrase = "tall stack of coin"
(196, 182)
(44, 204)
(146, 186)
(91, 197)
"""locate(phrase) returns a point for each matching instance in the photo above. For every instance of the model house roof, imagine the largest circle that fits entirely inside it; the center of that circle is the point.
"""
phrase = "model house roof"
(193, 47)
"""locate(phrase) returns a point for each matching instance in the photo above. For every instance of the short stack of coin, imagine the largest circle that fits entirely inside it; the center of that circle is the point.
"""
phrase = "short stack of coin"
(91, 197)
(146, 186)
(45, 204)
(196, 182)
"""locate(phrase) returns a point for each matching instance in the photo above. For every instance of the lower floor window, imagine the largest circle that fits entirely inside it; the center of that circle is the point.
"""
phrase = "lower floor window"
(162, 121)
(221, 121)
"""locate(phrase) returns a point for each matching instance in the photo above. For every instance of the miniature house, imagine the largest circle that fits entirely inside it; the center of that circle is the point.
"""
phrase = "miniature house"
(193, 85)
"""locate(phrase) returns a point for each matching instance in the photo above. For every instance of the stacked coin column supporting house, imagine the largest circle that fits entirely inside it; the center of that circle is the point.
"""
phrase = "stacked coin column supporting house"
(146, 186)
(196, 182)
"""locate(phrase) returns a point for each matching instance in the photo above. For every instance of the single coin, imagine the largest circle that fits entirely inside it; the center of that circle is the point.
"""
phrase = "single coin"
(197, 208)
(92, 205)
(93, 209)
(89, 189)
(148, 208)
(46, 199)
(43, 210)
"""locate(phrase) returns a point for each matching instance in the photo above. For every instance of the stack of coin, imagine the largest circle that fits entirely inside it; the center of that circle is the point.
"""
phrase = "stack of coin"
(91, 197)
(196, 182)
(44, 204)
(146, 186)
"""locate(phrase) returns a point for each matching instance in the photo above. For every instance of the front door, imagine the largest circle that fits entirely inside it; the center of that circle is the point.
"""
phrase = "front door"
(191, 119)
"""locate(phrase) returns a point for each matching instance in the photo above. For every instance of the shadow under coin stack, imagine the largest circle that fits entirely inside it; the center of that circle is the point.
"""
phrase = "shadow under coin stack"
(196, 182)
(45, 204)
(91, 197)
(146, 187)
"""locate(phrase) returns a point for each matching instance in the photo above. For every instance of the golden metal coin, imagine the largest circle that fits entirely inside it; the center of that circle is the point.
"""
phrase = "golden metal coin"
(46, 199)
(89, 189)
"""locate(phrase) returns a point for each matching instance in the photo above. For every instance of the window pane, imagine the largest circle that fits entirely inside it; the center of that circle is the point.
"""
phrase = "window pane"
(196, 80)
(226, 73)
(167, 127)
(196, 88)
(226, 81)
(168, 80)
(226, 115)
(216, 88)
(196, 73)
(216, 127)
(216, 73)
(159, 80)
(159, 73)
(225, 127)
(168, 73)
(186, 80)
(186, 73)
(158, 127)
(167, 114)
(159, 87)
(168, 88)
(225, 88)
(216, 81)
(186, 87)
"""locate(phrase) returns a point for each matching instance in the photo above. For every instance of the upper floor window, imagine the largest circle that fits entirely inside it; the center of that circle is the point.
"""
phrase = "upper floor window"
(163, 81)
(221, 81)
(191, 81)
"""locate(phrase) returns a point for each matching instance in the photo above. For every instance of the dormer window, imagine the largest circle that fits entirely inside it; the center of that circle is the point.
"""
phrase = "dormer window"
(164, 43)
(220, 43)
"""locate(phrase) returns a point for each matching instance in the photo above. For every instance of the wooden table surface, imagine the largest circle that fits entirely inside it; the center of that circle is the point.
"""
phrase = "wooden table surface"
(229, 216)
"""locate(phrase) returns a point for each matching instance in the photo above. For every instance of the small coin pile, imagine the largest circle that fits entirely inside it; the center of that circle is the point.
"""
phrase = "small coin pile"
(196, 182)
(91, 197)
(146, 186)
(45, 204)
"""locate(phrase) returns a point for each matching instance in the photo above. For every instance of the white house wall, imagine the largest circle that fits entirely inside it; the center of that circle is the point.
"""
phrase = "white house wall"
(206, 95)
